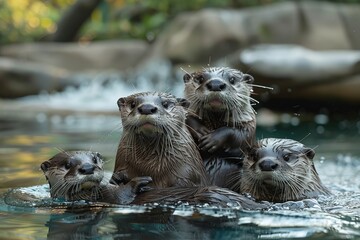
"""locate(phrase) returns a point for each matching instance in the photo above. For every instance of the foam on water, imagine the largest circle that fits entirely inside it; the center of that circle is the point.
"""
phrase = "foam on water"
(100, 92)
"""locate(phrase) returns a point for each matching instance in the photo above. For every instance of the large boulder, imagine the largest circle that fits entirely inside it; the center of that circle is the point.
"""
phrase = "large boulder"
(197, 37)
(21, 78)
(105, 55)
(350, 14)
(297, 72)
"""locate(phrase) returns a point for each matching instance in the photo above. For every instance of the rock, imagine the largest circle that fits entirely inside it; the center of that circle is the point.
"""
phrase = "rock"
(209, 34)
(322, 26)
(350, 15)
(20, 78)
(297, 72)
(105, 55)
(297, 63)
(345, 89)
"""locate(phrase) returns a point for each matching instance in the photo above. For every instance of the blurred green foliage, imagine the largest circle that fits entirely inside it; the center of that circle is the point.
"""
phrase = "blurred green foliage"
(34, 20)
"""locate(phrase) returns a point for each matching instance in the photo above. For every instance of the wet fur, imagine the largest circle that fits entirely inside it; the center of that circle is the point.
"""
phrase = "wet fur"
(168, 154)
(68, 183)
(237, 100)
(199, 195)
(295, 178)
(224, 133)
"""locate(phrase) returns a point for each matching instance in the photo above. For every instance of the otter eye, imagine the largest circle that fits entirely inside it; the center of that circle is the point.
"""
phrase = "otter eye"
(132, 104)
(200, 79)
(232, 80)
(67, 165)
(286, 157)
(95, 160)
(165, 104)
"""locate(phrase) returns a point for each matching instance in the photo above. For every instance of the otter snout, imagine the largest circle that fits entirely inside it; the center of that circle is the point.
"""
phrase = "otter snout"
(216, 85)
(268, 165)
(147, 109)
(87, 169)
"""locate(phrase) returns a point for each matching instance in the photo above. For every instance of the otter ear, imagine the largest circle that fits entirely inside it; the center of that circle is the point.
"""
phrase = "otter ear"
(120, 102)
(186, 78)
(45, 166)
(248, 78)
(309, 152)
(183, 102)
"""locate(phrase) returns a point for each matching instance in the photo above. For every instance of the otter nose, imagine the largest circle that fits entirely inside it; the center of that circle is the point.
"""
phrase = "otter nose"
(268, 165)
(147, 109)
(216, 85)
(87, 169)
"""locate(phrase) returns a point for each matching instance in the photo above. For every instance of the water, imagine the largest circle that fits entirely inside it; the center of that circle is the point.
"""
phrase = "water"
(31, 135)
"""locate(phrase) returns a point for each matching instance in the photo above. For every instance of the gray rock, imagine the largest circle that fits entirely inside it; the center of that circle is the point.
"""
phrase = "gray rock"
(297, 72)
(106, 55)
(212, 33)
(322, 26)
(350, 15)
(20, 78)
(299, 64)
(209, 34)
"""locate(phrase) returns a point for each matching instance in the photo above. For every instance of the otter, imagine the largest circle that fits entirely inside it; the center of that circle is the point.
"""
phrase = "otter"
(221, 120)
(279, 170)
(79, 175)
(156, 142)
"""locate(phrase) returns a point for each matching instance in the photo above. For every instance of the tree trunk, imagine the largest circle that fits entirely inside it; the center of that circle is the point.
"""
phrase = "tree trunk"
(73, 19)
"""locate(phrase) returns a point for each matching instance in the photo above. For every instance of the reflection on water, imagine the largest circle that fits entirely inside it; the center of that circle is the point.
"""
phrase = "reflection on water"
(25, 143)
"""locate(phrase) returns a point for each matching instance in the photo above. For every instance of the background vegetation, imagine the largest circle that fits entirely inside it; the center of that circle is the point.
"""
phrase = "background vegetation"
(29, 20)
(36, 20)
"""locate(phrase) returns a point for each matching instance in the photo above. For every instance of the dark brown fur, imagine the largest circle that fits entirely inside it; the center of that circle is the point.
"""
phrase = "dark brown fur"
(222, 120)
(213, 195)
(79, 176)
(157, 143)
(280, 170)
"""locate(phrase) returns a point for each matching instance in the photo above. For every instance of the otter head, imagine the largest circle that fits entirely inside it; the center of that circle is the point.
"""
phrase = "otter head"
(218, 89)
(70, 173)
(280, 170)
(151, 114)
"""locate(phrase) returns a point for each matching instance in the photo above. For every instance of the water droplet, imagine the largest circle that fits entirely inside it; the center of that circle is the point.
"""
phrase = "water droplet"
(321, 119)
(320, 129)
(295, 121)
(56, 119)
(41, 117)
(285, 118)
(343, 124)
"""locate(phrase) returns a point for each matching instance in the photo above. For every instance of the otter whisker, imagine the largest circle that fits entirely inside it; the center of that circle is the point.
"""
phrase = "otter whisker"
(261, 86)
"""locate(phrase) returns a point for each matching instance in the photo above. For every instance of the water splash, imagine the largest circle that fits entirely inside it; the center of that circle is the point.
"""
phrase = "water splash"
(100, 92)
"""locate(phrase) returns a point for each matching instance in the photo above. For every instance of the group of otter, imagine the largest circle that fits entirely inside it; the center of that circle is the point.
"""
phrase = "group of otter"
(197, 149)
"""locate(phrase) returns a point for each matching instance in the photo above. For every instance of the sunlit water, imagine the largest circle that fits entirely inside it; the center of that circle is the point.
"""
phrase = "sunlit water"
(32, 136)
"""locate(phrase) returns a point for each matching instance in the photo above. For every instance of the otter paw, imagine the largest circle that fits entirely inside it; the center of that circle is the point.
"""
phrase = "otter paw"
(216, 140)
(119, 177)
(196, 127)
(139, 184)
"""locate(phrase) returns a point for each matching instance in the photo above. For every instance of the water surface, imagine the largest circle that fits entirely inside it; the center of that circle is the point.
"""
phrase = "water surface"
(26, 142)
